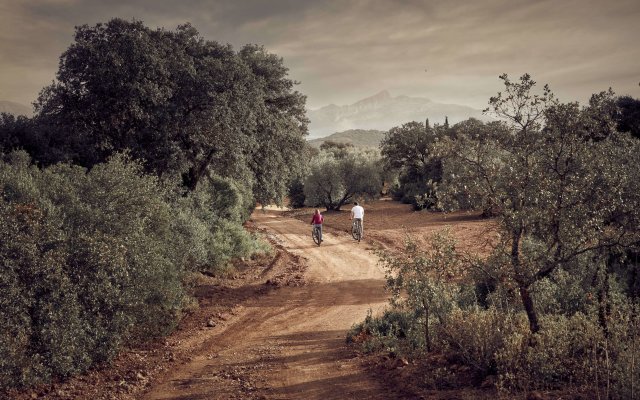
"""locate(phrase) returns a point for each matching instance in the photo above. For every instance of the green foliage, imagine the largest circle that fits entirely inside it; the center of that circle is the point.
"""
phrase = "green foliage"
(296, 194)
(95, 259)
(620, 353)
(18, 133)
(554, 306)
(358, 138)
(555, 175)
(411, 150)
(281, 124)
(42, 331)
(476, 335)
(338, 149)
(184, 105)
(334, 181)
(492, 336)
(566, 351)
(421, 194)
(629, 116)
(180, 137)
(419, 281)
(394, 332)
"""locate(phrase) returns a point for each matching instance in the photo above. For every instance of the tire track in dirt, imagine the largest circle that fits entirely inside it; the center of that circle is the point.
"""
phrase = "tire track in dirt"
(290, 343)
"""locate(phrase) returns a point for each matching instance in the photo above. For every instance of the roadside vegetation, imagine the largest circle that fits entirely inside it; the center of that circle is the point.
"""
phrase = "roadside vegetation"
(152, 147)
(554, 306)
(339, 174)
(142, 162)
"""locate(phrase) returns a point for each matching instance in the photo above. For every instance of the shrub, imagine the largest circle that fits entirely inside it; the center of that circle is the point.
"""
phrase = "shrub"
(42, 332)
(620, 351)
(476, 335)
(395, 331)
(419, 280)
(566, 351)
(91, 260)
(210, 220)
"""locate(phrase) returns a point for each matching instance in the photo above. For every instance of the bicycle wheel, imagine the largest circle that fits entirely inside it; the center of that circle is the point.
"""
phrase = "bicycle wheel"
(355, 230)
(315, 234)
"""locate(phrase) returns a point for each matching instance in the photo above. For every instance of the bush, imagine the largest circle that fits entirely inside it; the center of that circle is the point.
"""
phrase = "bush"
(566, 351)
(395, 331)
(42, 332)
(210, 219)
(619, 352)
(476, 335)
(91, 260)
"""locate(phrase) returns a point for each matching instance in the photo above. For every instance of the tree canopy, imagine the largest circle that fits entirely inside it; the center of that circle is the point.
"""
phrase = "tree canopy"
(410, 150)
(558, 177)
(183, 104)
(336, 180)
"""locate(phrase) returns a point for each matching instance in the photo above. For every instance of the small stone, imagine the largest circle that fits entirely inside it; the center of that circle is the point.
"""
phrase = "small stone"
(211, 323)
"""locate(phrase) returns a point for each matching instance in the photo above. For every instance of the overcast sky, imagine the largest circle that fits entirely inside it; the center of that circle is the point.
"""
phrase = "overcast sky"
(342, 51)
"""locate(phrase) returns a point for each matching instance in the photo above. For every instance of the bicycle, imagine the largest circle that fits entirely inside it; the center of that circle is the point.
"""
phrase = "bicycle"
(315, 234)
(356, 229)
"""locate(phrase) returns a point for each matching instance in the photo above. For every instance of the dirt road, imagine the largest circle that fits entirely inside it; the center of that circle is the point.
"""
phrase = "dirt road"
(290, 343)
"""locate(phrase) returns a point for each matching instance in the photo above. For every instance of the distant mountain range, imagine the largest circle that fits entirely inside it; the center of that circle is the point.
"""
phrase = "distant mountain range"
(359, 138)
(382, 112)
(11, 107)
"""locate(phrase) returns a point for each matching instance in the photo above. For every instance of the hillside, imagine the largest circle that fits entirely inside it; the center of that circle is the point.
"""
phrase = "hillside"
(383, 111)
(11, 107)
(360, 138)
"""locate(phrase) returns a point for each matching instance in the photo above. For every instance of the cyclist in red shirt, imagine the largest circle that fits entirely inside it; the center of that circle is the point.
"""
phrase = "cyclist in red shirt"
(316, 221)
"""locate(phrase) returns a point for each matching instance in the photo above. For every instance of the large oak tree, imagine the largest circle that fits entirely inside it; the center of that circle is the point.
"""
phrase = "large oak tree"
(185, 105)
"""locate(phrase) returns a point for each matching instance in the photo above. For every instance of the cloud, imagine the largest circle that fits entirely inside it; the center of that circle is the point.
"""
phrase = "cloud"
(342, 51)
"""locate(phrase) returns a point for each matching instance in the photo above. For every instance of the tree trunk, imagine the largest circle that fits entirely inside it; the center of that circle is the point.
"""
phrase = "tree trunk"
(523, 286)
(342, 201)
(530, 309)
(191, 178)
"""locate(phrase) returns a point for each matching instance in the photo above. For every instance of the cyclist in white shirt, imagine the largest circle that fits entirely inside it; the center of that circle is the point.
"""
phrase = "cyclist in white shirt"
(357, 212)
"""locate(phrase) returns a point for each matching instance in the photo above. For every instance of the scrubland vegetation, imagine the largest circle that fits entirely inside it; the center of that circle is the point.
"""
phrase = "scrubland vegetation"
(150, 150)
(143, 160)
(555, 304)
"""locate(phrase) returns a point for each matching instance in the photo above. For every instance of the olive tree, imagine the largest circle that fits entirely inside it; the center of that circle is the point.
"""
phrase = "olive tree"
(421, 280)
(333, 182)
(557, 193)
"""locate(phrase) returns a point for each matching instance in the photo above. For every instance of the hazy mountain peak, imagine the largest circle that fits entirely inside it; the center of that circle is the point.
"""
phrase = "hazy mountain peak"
(382, 112)
(382, 95)
(373, 101)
